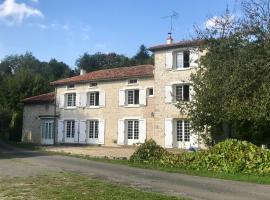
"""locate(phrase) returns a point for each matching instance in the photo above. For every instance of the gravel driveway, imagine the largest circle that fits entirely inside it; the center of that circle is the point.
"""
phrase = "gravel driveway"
(15, 162)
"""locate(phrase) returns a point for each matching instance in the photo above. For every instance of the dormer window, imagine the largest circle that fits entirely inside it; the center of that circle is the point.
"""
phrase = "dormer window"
(132, 81)
(94, 84)
(182, 59)
(71, 86)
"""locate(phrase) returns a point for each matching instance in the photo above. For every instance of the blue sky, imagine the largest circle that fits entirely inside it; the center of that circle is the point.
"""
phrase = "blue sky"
(65, 29)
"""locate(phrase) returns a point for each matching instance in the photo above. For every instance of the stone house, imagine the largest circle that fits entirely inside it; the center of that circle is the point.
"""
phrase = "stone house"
(120, 106)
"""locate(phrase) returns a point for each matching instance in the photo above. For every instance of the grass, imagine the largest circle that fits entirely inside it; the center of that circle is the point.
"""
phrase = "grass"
(71, 186)
(236, 177)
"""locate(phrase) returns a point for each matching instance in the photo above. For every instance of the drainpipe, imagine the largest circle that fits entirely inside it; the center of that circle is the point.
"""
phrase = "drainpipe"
(54, 118)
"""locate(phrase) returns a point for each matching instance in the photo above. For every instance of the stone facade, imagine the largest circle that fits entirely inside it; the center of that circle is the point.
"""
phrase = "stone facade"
(116, 122)
(33, 116)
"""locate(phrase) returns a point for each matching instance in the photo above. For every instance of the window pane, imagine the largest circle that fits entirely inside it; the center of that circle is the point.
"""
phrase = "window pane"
(150, 91)
(130, 129)
(179, 130)
(130, 96)
(186, 93)
(179, 93)
(71, 99)
(186, 59)
(136, 130)
(179, 60)
(91, 129)
(68, 129)
(92, 99)
(187, 131)
(96, 129)
(72, 129)
(136, 100)
(97, 99)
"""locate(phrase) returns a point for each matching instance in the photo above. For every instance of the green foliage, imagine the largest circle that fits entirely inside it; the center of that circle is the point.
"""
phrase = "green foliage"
(230, 156)
(232, 86)
(148, 152)
(100, 60)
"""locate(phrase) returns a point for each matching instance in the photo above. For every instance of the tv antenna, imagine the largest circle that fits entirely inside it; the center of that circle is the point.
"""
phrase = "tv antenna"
(172, 17)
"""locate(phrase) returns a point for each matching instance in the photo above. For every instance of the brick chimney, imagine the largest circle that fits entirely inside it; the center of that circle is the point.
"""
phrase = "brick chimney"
(169, 39)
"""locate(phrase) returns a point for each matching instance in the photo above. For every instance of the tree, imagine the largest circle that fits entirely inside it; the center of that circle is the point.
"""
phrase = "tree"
(233, 86)
(142, 57)
(99, 61)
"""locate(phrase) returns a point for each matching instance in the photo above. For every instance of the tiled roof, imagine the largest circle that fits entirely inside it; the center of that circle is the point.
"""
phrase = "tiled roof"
(184, 43)
(110, 74)
(43, 98)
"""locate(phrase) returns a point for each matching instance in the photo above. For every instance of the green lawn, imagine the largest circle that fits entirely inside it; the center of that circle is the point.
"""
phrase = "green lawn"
(70, 186)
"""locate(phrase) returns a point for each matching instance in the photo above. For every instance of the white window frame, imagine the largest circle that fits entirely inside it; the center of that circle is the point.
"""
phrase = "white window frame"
(47, 125)
(182, 95)
(73, 100)
(93, 86)
(132, 79)
(182, 52)
(182, 130)
(95, 96)
(95, 129)
(147, 90)
(71, 129)
(127, 91)
(135, 129)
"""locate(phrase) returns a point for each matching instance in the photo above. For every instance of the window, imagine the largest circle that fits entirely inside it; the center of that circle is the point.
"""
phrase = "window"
(150, 92)
(132, 97)
(94, 84)
(182, 130)
(71, 99)
(47, 130)
(93, 129)
(70, 128)
(93, 98)
(132, 81)
(71, 86)
(182, 59)
(133, 129)
(181, 93)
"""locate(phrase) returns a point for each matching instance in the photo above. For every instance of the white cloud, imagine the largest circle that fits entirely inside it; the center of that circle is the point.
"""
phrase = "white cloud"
(12, 12)
(217, 20)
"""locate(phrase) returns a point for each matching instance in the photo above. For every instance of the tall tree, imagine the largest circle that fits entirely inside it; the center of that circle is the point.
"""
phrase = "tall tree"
(143, 56)
(232, 85)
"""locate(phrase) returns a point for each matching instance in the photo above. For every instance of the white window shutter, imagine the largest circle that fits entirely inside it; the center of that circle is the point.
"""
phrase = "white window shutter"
(102, 98)
(121, 97)
(169, 60)
(82, 134)
(142, 130)
(76, 136)
(101, 135)
(168, 94)
(191, 92)
(83, 100)
(78, 99)
(62, 101)
(193, 57)
(168, 132)
(60, 131)
(142, 97)
(121, 132)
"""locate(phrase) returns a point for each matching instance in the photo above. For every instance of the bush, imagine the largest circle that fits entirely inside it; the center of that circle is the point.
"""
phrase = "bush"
(148, 152)
(230, 156)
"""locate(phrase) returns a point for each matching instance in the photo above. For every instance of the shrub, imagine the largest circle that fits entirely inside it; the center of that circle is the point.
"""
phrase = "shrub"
(148, 152)
(230, 156)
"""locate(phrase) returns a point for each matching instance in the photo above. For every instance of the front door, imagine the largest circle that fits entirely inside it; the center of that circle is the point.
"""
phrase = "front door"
(47, 132)
(70, 131)
(182, 134)
(132, 127)
(93, 131)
